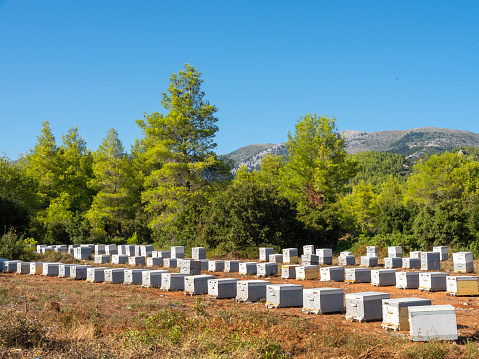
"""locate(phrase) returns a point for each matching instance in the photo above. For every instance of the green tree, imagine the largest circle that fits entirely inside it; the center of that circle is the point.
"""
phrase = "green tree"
(318, 168)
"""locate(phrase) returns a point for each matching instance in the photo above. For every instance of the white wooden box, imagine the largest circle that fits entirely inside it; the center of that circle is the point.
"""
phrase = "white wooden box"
(96, 274)
(111, 249)
(432, 322)
(325, 255)
(79, 271)
(136, 261)
(433, 281)
(251, 290)
(154, 262)
(36, 268)
(323, 300)
(197, 284)
(392, 262)
(266, 269)
(82, 253)
(430, 261)
(115, 275)
(50, 269)
(383, 277)
(222, 287)
(264, 253)
(308, 249)
(64, 270)
(247, 268)
(190, 267)
(357, 275)
(163, 254)
(152, 278)
(332, 274)
(411, 263)
(288, 271)
(415, 254)
(307, 272)
(277, 258)
(134, 276)
(290, 255)
(284, 295)
(443, 252)
(119, 259)
(372, 251)
(395, 251)
(369, 261)
(129, 250)
(407, 280)
(309, 259)
(462, 285)
(348, 260)
(198, 253)
(365, 306)
(23, 268)
(146, 250)
(232, 266)
(102, 258)
(2, 261)
(345, 253)
(170, 262)
(396, 314)
(99, 249)
(178, 252)
(173, 281)
(463, 262)
(216, 266)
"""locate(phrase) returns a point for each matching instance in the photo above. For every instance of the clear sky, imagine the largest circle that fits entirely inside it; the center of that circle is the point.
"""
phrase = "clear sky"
(374, 65)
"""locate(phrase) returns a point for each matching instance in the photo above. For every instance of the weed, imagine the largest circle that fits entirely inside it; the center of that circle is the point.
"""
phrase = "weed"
(429, 350)
(20, 329)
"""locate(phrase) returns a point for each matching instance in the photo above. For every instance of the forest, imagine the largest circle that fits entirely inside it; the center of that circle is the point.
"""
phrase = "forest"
(171, 188)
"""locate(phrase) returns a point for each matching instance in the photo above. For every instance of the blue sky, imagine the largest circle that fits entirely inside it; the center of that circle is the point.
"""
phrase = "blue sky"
(374, 65)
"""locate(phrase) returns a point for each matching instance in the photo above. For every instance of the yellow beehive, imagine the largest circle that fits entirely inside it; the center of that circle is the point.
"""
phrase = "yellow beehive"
(462, 285)
(307, 272)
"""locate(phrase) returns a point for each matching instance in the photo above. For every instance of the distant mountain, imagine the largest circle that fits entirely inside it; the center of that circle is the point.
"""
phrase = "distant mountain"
(414, 143)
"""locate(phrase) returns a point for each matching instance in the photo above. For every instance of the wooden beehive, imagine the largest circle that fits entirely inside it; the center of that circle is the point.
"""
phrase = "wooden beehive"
(136, 261)
(152, 278)
(357, 275)
(82, 253)
(190, 267)
(369, 261)
(264, 253)
(247, 268)
(288, 271)
(23, 268)
(96, 274)
(309, 259)
(111, 249)
(430, 261)
(178, 252)
(365, 306)
(284, 295)
(102, 258)
(290, 255)
(99, 249)
(383, 277)
(163, 254)
(307, 272)
(347, 260)
(134, 276)
(36, 268)
(170, 262)
(79, 271)
(332, 274)
(415, 254)
(277, 258)
(128, 250)
(146, 250)
(433, 281)
(395, 252)
(173, 281)
(323, 300)
(345, 253)
(396, 313)
(443, 252)
(119, 259)
(222, 288)
(266, 269)
(216, 266)
(71, 249)
(197, 284)
(325, 255)
(463, 262)
(462, 285)
(115, 275)
(251, 290)
(432, 322)
(154, 262)
(50, 269)
(411, 263)
(372, 251)
(64, 270)
(232, 266)
(204, 264)
(308, 249)
(393, 262)
(198, 253)
(407, 280)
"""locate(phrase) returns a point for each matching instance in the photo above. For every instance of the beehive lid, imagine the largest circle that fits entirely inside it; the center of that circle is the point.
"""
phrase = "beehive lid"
(406, 302)
(323, 290)
(254, 281)
(435, 274)
(285, 286)
(382, 271)
(200, 276)
(309, 267)
(367, 295)
(463, 277)
(286, 266)
(159, 271)
(226, 280)
(431, 309)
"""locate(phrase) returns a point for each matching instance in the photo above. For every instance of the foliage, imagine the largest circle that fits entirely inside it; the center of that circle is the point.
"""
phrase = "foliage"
(397, 218)
(14, 246)
(322, 227)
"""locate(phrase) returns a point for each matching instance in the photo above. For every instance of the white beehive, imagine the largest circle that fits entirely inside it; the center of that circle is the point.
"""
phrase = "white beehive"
(288, 271)
(415, 254)
(154, 262)
(347, 260)
(264, 253)
(307, 272)
(345, 253)
(111, 249)
(102, 258)
(232, 266)
(178, 252)
(395, 252)
(325, 255)
(197, 284)
(137, 251)
(332, 274)
(383, 277)
(173, 281)
(96, 274)
(23, 268)
(121, 249)
(323, 300)
(433, 281)
(39, 248)
(115, 275)
(247, 268)
(411, 263)
(392, 262)
(64, 270)
(190, 267)
(432, 322)
(136, 261)
(163, 254)
(216, 266)
(443, 252)
(430, 261)
(36, 268)
(50, 269)
(463, 262)
(369, 261)
(198, 253)
(170, 262)
(266, 269)
(152, 278)
(71, 249)
(79, 271)
(277, 258)
(47, 249)
(284, 295)
(222, 288)
(134, 276)
(251, 290)
(463, 285)
(365, 306)
(61, 248)
(396, 313)
(407, 280)
(309, 259)
(372, 251)
(119, 259)
(129, 250)
(204, 264)
(357, 275)
(290, 255)
(99, 249)
(82, 253)
(308, 249)
(2, 261)
(146, 250)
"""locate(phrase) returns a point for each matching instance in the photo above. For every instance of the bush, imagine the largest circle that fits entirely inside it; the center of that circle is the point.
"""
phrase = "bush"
(20, 329)
(13, 246)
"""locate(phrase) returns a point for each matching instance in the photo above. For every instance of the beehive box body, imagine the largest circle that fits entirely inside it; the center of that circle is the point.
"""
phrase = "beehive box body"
(251, 290)
(152, 278)
(348, 260)
(308, 249)
(395, 252)
(197, 284)
(190, 267)
(178, 252)
(433, 281)
(71, 249)
(365, 306)
(463, 262)
(82, 253)
(415, 254)
(464, 285)
(137, 251)
(345, 253)
(323, 300)
(173, 281)
(372, 251)
(411, 263)
(99, 249)
(36, 268)
(383, 277)
(216, 266)
(358, 275)
(128, 250)
(407, 280)
(232, 266)
(198, 253)
(266, 269)
(443, 252)
(222, 288)
(96, 275)
(102, 258)
(430, 261)
(170, 262)
(307, 272)
(79, 271)
(325, 256)
(369, 261)
(164, 254)
(136, 261)
(134, 276)
(111, 249)
(396, 314)
(288, 271)
(332, 274)
(119, 259)
(284, 295)
(432, 322)
(154, 262)
(290, 255)
(115, 275)
(309, 259)
(247, 268)
(64, 270)
(264, 253)
(146, 250)
(23, 268)
(204, 264)
(277, 258)
(50, 269)
(392, 262)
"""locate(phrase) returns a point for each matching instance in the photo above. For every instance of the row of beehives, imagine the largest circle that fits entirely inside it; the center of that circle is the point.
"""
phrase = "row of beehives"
(423, 320)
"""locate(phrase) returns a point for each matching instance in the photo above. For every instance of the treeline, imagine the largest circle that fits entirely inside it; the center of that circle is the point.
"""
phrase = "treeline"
(171, 188)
